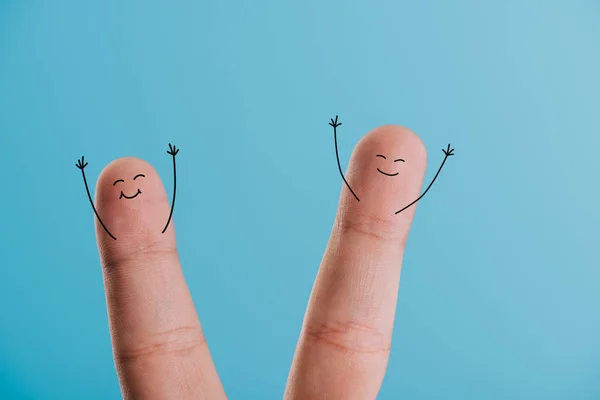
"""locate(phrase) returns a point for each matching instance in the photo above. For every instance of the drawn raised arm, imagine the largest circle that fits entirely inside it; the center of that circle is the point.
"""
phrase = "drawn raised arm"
(448, 152)
(335, 124)
(81, 164)
(173, 152)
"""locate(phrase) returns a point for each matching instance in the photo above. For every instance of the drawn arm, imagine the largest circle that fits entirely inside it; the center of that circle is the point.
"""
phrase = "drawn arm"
(335, 124)
(448, 152)
(81, 165)
(173, 152)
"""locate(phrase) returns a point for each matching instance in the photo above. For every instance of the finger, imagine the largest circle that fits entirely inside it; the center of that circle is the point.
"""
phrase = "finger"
(158, 344)
(345, 340)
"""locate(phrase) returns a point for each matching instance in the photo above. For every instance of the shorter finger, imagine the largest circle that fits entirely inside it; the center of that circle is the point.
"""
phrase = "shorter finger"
(159, 348)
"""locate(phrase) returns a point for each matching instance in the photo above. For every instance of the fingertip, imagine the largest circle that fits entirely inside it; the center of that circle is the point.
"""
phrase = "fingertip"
(134, 211)
(123, 168)
(393, 142)
(395, 138)
(383, 185)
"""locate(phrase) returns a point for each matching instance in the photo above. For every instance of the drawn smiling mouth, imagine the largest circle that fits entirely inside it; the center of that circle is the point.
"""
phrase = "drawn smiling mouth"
(385, 173)
(128, 197)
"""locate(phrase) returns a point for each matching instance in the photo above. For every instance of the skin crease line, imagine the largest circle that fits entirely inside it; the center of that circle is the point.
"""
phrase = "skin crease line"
(448, 152)
(81, 164)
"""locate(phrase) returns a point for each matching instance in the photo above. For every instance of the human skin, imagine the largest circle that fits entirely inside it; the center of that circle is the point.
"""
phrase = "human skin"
(158, 346)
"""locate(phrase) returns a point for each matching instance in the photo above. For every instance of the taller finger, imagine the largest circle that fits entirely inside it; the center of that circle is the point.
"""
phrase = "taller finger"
(345, 340)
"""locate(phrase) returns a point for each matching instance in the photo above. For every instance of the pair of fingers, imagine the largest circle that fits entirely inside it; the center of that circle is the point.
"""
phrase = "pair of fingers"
(159, 349)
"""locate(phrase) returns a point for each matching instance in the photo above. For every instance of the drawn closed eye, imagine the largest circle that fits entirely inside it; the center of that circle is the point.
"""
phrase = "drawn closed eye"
(379, 155)
(138, 175)
(117, 181)
(399, 160)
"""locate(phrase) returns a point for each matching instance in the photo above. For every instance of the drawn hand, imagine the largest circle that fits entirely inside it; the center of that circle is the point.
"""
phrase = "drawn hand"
(335, 123)
(448, 152)
(80, 164)
(172, 150)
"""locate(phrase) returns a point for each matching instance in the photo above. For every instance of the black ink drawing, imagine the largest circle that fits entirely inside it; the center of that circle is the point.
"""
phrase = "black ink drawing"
(335, 124)
(173, 152)
(123, 194)
(448, 152)
(385, 158)
(81, 164)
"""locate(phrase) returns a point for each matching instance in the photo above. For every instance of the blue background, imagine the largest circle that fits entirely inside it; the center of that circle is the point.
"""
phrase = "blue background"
(499, 296)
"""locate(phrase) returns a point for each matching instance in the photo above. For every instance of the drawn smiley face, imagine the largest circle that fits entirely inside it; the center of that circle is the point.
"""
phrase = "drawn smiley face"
(386, 173)
(123, 195)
